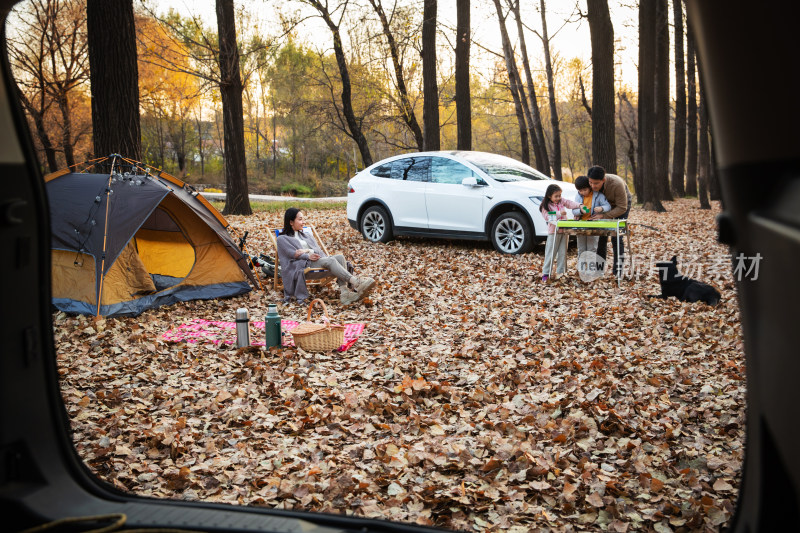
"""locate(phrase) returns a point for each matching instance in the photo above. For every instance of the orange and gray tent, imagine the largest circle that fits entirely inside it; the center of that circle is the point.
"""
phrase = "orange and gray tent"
(133, 238)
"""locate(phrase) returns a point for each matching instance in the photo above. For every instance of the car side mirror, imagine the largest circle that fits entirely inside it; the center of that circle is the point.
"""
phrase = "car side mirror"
(472, 181)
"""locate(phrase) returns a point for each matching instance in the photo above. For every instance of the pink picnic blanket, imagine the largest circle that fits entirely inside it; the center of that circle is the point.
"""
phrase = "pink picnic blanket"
(218, 332)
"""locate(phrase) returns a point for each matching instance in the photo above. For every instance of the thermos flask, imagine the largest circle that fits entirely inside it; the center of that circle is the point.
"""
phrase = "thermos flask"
(272, 327)
(242, 328)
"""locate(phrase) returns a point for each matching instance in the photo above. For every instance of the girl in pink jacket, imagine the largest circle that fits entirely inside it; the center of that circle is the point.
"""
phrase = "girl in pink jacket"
(556, 247)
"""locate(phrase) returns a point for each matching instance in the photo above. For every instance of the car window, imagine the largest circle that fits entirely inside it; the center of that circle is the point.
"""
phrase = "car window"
(382, 171)
(502, 168)
(445, 170)
(411, 168)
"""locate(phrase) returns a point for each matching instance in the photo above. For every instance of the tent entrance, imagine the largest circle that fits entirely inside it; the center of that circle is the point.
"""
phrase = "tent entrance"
(166, 252)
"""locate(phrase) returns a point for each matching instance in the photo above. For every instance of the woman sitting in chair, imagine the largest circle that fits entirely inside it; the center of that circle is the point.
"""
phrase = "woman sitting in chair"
(297, 250)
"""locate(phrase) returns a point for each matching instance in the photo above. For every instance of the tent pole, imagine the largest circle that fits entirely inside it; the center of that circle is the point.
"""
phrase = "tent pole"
(105, 235)
(136, 164)
(90, 163)
(59, 173)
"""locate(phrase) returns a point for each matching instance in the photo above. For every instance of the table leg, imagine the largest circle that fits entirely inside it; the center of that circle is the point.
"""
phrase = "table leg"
(618, 258)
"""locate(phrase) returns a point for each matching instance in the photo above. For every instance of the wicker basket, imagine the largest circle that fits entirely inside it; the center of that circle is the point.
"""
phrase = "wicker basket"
(313, 337)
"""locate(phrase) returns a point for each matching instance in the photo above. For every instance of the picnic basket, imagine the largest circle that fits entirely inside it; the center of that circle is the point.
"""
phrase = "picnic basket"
(313, 337)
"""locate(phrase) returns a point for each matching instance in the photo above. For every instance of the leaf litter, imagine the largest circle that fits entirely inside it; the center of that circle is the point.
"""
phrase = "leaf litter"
(477, 398)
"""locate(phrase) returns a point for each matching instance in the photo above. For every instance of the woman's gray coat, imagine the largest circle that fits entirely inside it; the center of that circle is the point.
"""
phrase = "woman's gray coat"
(294, 284)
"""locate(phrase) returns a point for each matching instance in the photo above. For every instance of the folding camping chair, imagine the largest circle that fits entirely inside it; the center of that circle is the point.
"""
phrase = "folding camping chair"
(313, 276)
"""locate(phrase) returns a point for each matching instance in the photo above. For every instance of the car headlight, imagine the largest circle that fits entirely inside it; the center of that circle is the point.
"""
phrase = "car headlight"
(536, 199)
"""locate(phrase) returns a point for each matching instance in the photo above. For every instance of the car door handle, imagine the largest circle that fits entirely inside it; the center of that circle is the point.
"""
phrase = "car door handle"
(9, 211)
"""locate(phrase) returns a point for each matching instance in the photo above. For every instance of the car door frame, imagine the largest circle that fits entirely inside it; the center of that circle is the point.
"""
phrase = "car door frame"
(438, 194)
(405, 199)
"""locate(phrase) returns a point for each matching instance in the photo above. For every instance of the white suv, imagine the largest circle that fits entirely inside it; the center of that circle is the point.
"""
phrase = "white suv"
(452, 195)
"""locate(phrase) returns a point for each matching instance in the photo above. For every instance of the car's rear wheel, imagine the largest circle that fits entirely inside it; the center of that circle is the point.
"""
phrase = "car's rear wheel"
(512, 234)
(376, 225)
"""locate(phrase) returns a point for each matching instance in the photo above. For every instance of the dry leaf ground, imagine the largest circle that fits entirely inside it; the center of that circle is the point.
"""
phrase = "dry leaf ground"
(477, 398)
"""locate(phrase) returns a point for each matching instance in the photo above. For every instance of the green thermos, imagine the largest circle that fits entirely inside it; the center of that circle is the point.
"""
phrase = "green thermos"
(272, 326)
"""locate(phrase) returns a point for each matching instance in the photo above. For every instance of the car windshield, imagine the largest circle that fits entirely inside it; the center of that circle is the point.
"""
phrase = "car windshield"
(501, 168)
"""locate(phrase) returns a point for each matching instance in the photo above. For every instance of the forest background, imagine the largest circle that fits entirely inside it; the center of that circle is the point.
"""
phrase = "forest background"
(328, 87)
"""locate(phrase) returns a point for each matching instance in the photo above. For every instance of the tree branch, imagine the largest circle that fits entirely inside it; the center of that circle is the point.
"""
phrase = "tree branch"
(583, 96)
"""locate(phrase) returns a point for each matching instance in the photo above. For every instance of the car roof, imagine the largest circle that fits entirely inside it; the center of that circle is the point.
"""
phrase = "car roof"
(456, 154)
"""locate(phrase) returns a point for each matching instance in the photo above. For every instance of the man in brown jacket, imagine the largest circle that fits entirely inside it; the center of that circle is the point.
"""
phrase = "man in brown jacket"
(616, 192)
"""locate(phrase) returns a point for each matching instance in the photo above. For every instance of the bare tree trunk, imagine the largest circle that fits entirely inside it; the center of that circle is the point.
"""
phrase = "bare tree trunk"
(114, 78)
(714, 190)
(27, 56)
(161, 142)
(569, 162)
(47, 144)
(604, 147)
(514, 85)
(703, 156)
(66, 132)
(679, 148)
(519, 108)
(353, 125)
(691, 118)
(662, 100)
(630, 136)
(237, 200)
(180, 149)
(48, 52)
(584, 101)
(430, 87)
(200, 150)
(275, 143)
(407, 109)
(257, 128)
(638, 177)
(647, 56)
(532, 109)
(463, 104)
(551, 92)
(294, 149)
(41, 131)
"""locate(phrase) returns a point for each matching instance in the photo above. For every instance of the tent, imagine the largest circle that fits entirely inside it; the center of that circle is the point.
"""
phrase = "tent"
(132, 238)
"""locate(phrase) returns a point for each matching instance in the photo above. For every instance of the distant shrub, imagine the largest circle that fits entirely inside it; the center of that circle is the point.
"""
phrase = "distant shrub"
(211, 189)
(297, 189)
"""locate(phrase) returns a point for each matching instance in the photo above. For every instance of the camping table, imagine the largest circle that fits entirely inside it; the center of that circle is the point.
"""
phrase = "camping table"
(615, 228)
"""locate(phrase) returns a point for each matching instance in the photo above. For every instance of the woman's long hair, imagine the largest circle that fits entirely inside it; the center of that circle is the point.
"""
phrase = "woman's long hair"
(289, 217)
(548, 196)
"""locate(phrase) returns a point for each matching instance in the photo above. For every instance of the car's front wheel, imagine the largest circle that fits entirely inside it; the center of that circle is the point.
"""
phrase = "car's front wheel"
(512, 234)
(376, 225)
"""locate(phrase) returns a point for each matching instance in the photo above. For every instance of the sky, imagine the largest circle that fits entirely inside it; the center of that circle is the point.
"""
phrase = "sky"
(568, 31)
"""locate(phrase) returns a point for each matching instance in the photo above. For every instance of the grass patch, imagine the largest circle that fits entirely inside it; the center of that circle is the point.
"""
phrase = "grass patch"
(281, 206)
(297, 189)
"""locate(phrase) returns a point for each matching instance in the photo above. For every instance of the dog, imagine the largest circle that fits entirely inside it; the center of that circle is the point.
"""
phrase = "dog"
(683, 288)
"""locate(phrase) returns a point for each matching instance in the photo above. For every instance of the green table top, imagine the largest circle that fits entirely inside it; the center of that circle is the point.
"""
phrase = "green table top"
(591, 224)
